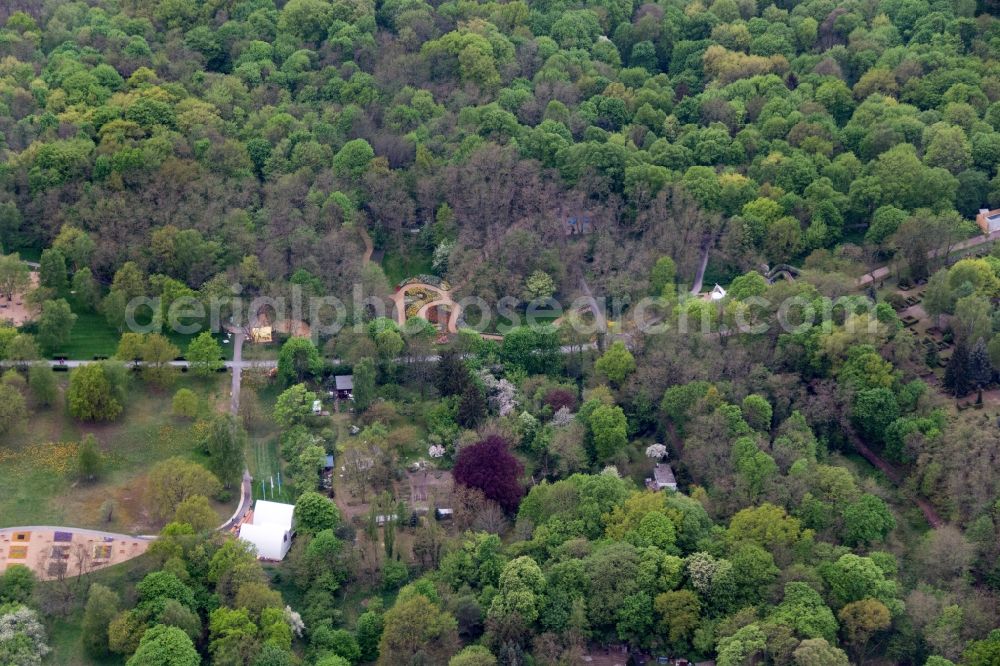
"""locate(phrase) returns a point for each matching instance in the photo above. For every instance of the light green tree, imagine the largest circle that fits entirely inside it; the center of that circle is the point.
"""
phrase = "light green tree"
(14, 276)
(294, 405)
(204, 355)
(364, 384)
(661, 278)
(89, 459)
(185, 403)
(52, 270)
(42, 382)
(165, 645)
(55, 324)
(539, 285)
(198, 513)
(616, 363)
(298, 360)
(91, 396)
(225, 444)
(353, 159)
(101, 608)
(609, 431)
(86, 292)
(13, 410)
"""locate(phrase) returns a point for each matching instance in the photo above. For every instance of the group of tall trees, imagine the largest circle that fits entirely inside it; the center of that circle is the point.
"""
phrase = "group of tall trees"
(757, 131)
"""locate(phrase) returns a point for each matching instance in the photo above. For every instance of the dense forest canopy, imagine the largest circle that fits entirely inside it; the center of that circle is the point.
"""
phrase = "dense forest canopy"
(187, 136)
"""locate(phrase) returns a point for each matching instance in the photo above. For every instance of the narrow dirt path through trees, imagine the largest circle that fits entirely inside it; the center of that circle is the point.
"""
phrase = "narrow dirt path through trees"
(896, 477)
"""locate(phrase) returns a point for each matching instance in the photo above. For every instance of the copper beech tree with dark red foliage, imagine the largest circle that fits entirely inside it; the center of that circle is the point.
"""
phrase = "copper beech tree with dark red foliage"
(489, 466)
(558, 398)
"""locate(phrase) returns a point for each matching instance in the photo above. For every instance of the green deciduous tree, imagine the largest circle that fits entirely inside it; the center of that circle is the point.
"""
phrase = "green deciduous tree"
(226, 442)
(298, 360)
(852, 578)
(416, 626)
(758, 412)
(616, 363)
(867, 521)
(535, 350)
(353, 159)
(91, 395)
(197, 512)
(473, 655)
(43, 385)
(741, 647)
(861, 620)
(804, 610)
(55, 324)
(185, 403)
(13, 410)
(679, 613)
(364, 384)
(52, 270)
(315, 513)
(609, 431)
(294, 405)
(157, 354)
(101, 609)
(75, 245)
(369, 632)
(661, 278)
(873, 410)
(231, 636)
(174, 480)
(86, 292)
(89, 459)
(818, 652)
(539, 285)
(14, 276)
(165, 645)
(16, 584)
(204, 354)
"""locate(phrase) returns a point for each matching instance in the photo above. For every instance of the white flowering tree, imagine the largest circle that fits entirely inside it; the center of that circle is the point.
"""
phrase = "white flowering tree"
(294, 621)
(436, 451)
(22, 638)
(501, 394)
(656, 452)
(562, 417)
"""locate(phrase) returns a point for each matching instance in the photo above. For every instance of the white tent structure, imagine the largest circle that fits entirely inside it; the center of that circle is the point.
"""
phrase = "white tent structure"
(270, 529)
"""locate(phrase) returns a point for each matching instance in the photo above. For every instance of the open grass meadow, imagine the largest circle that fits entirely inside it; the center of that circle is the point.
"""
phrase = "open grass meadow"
(397, 267)
(264, 455)
(37, 464)
(93, 336)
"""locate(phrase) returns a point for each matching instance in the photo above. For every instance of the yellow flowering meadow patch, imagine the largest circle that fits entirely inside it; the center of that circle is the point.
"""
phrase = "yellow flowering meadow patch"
(58, 457)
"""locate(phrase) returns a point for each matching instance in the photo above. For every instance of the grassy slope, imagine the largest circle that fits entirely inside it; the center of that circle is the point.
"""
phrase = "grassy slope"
(37, 475)
(397, 267)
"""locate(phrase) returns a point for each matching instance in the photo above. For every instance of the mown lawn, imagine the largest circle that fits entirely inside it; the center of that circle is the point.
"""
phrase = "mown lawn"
(37, 465)
(397, 267)
(92, 336)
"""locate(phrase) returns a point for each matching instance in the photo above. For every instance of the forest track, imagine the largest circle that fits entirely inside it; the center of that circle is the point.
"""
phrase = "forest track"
(894, 475)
